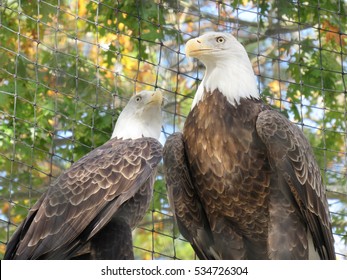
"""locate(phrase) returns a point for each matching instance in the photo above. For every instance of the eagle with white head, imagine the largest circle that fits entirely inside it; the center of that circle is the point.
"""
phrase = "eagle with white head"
(242, 179)
(89, 211)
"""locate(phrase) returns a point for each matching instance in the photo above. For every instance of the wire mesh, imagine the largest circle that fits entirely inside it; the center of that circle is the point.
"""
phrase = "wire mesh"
(68, 67)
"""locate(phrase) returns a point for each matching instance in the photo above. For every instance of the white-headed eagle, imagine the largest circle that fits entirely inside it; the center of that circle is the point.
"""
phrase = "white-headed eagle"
(242, 179)
(89, 211)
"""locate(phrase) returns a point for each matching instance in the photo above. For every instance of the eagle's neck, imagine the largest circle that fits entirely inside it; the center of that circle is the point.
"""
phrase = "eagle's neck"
(135, 130)
(233, 77)
(134, 126)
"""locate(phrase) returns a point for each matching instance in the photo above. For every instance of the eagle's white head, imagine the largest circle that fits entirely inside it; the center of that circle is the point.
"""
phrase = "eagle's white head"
(228, 67)
(141, 117)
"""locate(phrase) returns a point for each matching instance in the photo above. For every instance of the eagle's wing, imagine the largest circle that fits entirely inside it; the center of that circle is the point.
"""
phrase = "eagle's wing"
(185, 203)
(291, 156)
(112, 242)
(84, 198)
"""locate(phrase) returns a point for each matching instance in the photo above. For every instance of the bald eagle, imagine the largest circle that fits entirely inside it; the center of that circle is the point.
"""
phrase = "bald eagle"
(88, 212)
(242, 179)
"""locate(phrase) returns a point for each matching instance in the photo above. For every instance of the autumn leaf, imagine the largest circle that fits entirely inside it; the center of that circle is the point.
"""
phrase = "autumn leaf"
(333, 33)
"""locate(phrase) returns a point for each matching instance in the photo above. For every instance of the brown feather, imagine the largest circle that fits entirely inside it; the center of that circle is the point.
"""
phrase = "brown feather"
(114, 179)
(255, 179)
(291, 156)
(187, 209)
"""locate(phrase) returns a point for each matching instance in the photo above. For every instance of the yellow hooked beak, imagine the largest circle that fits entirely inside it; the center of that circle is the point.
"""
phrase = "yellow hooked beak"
(156, 98)
(196, 46)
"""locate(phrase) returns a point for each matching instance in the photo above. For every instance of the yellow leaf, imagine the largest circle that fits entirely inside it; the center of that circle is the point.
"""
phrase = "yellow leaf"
(17, 219)
(82, 10)
(50, 92)
(5, 208)
(274, 86)
(51, 122)
(121, 26)
(2, 249)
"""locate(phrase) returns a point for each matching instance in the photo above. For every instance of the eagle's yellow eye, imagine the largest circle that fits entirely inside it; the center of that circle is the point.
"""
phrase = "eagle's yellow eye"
(220, 39)
(138, 98)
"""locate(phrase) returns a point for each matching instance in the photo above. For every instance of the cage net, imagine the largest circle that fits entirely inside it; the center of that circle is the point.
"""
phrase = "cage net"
(68, 68)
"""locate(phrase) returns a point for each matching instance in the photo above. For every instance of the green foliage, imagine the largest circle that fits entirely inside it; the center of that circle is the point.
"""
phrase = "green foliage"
(142, 21)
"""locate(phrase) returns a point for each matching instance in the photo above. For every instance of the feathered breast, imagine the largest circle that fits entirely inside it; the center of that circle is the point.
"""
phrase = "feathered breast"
(228, 161)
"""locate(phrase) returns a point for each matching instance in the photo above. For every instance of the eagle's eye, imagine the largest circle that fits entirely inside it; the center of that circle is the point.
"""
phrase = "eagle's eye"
(220, 39)
(138, 98)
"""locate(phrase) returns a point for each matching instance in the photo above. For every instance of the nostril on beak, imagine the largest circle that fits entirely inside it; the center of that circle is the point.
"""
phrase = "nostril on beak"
(198, 41)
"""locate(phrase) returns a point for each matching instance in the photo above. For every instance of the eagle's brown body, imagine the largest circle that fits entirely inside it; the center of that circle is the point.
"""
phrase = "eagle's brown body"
(243, 184)
(90, 210)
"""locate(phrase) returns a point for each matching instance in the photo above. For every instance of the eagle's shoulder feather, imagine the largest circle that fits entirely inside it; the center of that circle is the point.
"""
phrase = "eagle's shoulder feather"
(291, 156)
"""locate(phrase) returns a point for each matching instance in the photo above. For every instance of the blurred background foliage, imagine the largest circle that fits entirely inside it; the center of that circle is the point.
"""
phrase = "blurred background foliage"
(68, 67)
